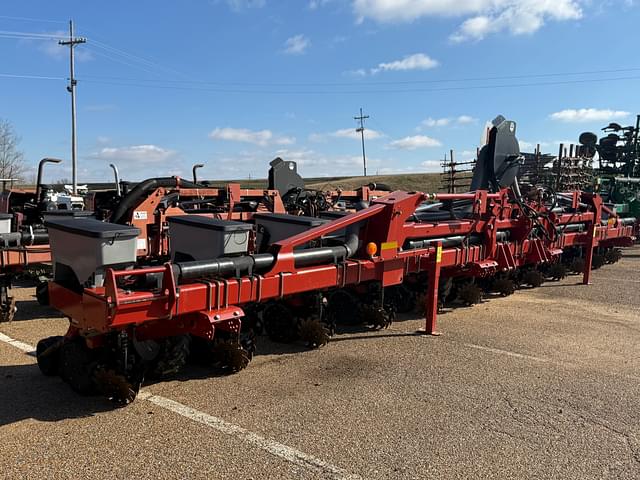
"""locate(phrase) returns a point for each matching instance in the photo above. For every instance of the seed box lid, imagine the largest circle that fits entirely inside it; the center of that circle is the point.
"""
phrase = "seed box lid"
(90, 227)
(199, 221)
(290, 219)
(69, 213)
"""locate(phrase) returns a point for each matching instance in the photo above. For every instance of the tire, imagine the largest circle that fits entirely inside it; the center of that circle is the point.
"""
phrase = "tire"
(402, 299)
(77, 366)
(48, 355)
(173, 356)
(279, 323)
(42, 293)
(343, 308)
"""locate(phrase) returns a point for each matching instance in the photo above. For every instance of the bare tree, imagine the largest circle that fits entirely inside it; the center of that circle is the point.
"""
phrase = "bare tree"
(12, 164)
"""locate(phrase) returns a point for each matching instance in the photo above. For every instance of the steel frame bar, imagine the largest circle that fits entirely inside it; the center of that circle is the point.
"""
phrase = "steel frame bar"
(385, 223)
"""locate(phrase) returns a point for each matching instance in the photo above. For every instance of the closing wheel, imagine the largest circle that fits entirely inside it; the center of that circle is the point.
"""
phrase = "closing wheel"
(77, 366)
(342, 308)
(8, 309)
(533, 278)
(279, 323)
(556, 271)
(314, 332)
(376, 316)
(598, 261)
(613, 255)
(503, 286)
(577, 265)
(48, 355)
(229, 355)
(469, 293)
(402, 299)
(172, 357)
(116, 387)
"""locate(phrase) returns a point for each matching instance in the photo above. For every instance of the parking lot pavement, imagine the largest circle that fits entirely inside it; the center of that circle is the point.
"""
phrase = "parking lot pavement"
(542, 384)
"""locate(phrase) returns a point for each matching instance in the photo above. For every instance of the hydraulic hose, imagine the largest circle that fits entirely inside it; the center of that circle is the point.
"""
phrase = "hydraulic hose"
(138, 192)
(249, 264)
(223, 267)
(381, 187)
(24, 238)
(453, 241)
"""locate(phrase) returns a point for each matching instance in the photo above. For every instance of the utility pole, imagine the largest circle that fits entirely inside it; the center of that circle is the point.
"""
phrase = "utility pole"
(360, 129)
(71, 88)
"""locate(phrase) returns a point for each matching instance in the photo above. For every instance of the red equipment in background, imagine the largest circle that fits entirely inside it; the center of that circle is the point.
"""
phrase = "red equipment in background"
(146, 320)
(203, 305)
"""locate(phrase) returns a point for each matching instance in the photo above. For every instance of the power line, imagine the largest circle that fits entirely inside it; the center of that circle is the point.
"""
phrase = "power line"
(28, 19)
(119, 60)
(30, 35)
(30, 77)
(133, 57)
(153, 64)
(364, 84)
(128, 59)
(87, 79)
(91, 79)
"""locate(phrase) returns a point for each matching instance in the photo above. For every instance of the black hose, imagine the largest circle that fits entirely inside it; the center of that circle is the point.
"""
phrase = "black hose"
(380, 187)
(223, 267)
(453, 241)
(39, 178)
(24, 238)
(250, 264)
(133, 197)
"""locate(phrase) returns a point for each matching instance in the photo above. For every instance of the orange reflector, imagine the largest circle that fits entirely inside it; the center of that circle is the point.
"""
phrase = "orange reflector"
(372, 249)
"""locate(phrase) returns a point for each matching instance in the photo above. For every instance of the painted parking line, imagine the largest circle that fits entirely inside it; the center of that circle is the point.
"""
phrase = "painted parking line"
(506, 352)
(615, 279)
(26, 348)
(284, 452)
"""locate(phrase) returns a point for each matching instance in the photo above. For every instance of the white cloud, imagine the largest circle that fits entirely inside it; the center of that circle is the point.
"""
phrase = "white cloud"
(296, 45)
(436, 122)
(238, 5)
(432, 165)
(256, 137)
(466, 119)
(315, 4)
(369, 134)
(417, 61)
(310, 163)
(415, 142)
(358, 72)
(571, 115)
(395, 170)
(466, 155)
(482, 17)
(526, 145)
(443, 122)
(136, 154)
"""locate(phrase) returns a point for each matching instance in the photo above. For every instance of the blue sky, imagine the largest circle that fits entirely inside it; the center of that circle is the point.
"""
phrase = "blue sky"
(233, 83)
